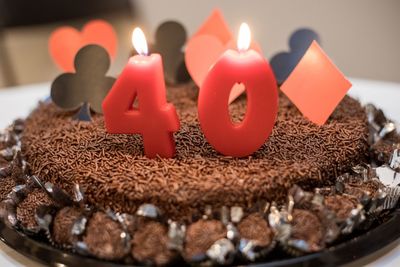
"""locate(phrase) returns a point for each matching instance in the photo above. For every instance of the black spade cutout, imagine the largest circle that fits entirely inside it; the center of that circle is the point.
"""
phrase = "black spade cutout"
(88, 86)
(284, 63)
(170, 38)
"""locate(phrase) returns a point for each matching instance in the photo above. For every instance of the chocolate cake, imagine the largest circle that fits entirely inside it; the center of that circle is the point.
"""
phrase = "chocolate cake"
(115, 174)
(71, 185)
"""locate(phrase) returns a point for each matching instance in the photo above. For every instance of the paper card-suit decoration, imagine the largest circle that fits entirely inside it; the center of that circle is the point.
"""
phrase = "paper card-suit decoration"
(87, 86)
(170, 38)
(66, 41)
(283, 63)
(205, 47)
(316, 85)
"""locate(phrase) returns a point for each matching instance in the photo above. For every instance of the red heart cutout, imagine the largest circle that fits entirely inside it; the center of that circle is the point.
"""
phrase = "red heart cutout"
(65, 42)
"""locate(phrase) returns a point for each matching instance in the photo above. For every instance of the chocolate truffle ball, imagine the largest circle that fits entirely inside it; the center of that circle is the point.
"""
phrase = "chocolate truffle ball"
(105, 237)
(341, 205)
(254, 227)
(63, 223)
(150, 244)
(26, 210)
(306, 226)
(200, 236)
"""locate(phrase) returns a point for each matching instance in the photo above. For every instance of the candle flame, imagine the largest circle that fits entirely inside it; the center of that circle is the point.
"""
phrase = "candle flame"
(244, 39)
(139, 42)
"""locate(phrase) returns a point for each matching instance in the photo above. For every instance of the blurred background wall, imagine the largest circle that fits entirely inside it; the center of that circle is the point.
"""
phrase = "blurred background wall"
(361, 36)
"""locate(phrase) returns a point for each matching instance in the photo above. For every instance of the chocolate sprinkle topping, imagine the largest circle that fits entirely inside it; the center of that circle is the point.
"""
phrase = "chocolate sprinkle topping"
(63, 223)
(150, 244)
(116, 175)
(26, 210)
(201, 235)
(255, 227)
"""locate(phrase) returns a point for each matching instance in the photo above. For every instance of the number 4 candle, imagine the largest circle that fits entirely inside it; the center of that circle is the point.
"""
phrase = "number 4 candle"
(245, 67)
(155, 119)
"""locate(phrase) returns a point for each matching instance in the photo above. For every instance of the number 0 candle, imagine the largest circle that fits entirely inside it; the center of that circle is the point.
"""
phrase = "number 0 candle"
(245, 67)
(155, 119)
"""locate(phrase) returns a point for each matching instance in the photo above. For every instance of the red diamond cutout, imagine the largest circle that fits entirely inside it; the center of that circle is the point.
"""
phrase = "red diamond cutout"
(316, 86)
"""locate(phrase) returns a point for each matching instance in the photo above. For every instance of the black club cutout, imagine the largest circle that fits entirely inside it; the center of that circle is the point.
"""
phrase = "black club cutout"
(170, 38)
(88, 86)
(284, 63)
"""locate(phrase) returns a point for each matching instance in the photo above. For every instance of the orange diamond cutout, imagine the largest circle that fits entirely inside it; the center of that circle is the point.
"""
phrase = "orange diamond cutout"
(316, 86)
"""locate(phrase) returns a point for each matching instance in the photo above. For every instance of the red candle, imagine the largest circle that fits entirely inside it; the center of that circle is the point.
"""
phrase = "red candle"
(234, 67)
(155, 119)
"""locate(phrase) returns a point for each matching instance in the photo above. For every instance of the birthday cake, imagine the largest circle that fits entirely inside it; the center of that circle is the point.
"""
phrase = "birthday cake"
(71, 180)
(109, 201)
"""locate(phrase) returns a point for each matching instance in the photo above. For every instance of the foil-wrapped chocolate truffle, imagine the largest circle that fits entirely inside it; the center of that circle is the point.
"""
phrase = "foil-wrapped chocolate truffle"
(6, 184)
(257, 238)
(5, 168)
(8, 139)
(150, 244)
(382, 150)
(105, 238)
(307, 231)
(255, 227)
(8, 153)
(17, 170)
(26, 210)
(18, 126)
(200, 236)
(341, 205)
(63, 223)
(380, 127)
